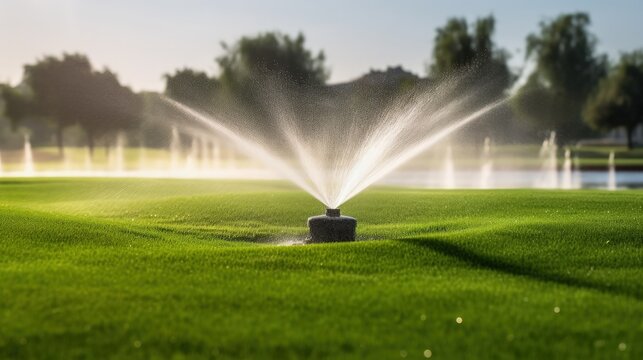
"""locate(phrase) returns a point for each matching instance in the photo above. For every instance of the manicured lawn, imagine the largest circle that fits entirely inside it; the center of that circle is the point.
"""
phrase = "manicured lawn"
(122, 268)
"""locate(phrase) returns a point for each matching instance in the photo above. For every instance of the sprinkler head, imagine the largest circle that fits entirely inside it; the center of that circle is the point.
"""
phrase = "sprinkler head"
(331, 227)
(332, 212)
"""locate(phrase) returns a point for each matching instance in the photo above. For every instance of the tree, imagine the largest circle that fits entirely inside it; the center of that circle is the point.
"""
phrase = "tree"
(68, 91)
(618, 101)
(57, 84)
(191, 87)
(255, 71)
(466, 59)
(456, 49)
(18, 103)
(106, 106)
(567, 70)
(272, 54)
(453, 48)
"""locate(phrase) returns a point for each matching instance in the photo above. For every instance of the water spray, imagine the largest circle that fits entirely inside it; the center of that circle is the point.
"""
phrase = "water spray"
(332, 227)
(328, 163)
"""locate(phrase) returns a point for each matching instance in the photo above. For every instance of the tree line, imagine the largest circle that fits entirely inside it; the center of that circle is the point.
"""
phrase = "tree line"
(573, 89)
(66, 91)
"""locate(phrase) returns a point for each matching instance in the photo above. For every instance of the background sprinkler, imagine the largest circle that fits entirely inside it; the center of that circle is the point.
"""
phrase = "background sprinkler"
(331, 227)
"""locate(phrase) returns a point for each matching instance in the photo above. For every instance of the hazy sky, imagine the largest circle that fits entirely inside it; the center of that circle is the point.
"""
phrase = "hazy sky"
(142, 40)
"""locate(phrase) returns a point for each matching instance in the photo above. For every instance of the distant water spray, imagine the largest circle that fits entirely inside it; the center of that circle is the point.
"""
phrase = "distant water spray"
(548, 156)
(577, 176)
(544, 157)
(340, 158)
(567, 181)
(67, 161)
(192, 157)
(611, 173)
(216, 155)
(486, 170)
(142, 157)
(28, 157)
(448, 180)
(119, 153)
(205, 155)
(88, 159)
(231, 162)
(175, 150)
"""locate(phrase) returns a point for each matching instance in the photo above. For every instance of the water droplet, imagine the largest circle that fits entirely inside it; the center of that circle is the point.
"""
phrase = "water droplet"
(137, 343)
(428, 353)
(556, 309)
(622, 346)
(458, 320)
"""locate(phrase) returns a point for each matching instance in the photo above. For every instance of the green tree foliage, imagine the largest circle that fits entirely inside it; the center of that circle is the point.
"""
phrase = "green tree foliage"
(275, 55)
(467, 54)
(191, 87)
(456, 49)
(68, 91)
(567, 70)
(453, 48)
(18, 103)
(107, 107)
(57, 84)
(257, 72)
(618, 101)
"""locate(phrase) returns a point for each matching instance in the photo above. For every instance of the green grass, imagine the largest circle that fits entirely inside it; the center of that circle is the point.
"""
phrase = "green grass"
(109, 268)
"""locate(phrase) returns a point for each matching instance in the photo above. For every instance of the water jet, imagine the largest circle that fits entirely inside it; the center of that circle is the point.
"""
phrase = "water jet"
(567, 181)
(28, 157)
(611, 173)
(487, 165)
(332, 227)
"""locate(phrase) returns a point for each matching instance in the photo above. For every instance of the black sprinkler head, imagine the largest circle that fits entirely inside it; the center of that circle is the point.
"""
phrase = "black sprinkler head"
(332, 212)
(331, 227)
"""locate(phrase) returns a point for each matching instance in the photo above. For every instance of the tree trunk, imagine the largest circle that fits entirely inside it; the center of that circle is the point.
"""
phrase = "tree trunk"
(59, 140)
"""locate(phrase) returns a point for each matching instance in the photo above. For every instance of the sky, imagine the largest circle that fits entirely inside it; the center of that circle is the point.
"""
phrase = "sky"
(142, 40)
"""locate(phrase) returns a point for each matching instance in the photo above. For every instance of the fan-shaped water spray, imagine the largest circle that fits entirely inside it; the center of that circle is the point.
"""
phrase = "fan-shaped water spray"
(333, 154)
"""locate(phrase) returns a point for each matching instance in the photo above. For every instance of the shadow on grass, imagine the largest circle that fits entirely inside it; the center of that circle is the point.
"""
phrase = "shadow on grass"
(475, 259)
